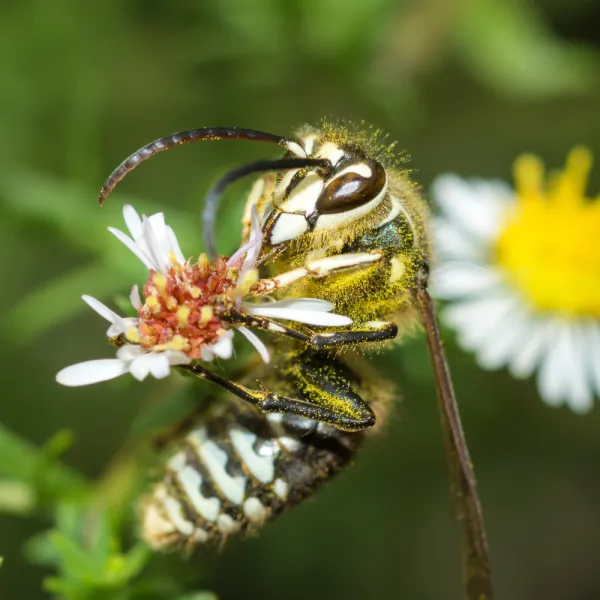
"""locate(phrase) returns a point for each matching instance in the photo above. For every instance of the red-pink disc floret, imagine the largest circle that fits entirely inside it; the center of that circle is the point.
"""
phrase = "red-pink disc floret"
(181, 310)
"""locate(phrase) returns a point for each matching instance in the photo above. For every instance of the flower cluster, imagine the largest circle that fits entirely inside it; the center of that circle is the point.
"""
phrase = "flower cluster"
(521, 271)
(181, 308)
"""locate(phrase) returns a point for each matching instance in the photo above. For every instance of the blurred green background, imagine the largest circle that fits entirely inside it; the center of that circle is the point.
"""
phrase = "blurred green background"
(464, 86)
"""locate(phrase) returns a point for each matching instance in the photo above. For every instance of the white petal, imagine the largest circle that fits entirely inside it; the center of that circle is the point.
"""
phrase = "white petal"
(477, 321)
(475, 206)
(455, 279)
(177, 358)
(135, 248)
(133, 221)
(256, 342)
(310, 317)
(451, 243)
(122, 326)
(159, 366)
(134, 298)
(140, 366)
(593, 345)
(223, 347)
(527, 358)
(552, 379)
(92, 371)
(507, 340)
(244, 249)
(206, 354)
(130, 352)
(101, 309)
(175, 245)
(578, 384)
(159, 250)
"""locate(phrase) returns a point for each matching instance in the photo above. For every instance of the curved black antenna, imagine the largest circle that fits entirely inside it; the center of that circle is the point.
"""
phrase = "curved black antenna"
(211, 201)
(192, 135)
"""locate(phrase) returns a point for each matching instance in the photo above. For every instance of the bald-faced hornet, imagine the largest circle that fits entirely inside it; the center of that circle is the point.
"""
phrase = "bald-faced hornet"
(341, 222)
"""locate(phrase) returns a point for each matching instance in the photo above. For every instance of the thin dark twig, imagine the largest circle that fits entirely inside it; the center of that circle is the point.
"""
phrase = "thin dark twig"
(476, 563)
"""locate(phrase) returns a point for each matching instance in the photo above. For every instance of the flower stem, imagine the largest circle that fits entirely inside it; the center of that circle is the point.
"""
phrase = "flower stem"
(476, 563)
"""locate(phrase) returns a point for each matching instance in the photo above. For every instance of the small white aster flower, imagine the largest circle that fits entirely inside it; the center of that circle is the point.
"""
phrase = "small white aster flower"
(179, 314)
(520, 270)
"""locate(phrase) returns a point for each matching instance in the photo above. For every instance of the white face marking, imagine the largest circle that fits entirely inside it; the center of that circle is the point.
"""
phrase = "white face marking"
(332, 152)
(360, 168)
(304, 196)
(296, 149)
(255, 510)
(394, 211)
(227, 525)
(281, 488)
(214, 460)
(261, 467)
(254, 196)
(349, 216)
(175, 512)
(191, 480)
(309, 144)
(288, 227)
(277, 328)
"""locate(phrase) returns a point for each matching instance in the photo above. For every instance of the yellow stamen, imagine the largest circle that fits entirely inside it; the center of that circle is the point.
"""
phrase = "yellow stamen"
(206, 314)
(160, 282)
(171, 303)
(550, 243)
(183, 314)
(133, 335)
(203, 262)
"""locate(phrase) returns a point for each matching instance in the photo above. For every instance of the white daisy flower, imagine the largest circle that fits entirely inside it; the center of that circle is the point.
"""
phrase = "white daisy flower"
(521, 272)
(183, 305)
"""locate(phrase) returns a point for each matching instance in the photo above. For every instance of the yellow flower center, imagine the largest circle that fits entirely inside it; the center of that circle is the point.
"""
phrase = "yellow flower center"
(550, 243)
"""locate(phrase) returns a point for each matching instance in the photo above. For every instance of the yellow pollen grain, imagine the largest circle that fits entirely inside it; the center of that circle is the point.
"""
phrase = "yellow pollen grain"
(171, 303)
(398, 268)
(133, 335)
(183, 315)
(206, 314)
(195, 292)
(179, 343)
(203, 262)
(160, 282)
(549, 244)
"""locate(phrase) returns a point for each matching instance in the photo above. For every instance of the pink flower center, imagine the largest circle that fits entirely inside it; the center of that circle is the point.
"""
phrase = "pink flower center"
(182, 310)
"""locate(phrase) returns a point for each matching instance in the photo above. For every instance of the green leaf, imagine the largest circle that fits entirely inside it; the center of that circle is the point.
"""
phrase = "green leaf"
(74, 561)
(16, 497)
(199, 596)
(121, 568)
(508, 46)
(20, 460)
(72, 210)
(161, 415)
(60, 300)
